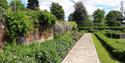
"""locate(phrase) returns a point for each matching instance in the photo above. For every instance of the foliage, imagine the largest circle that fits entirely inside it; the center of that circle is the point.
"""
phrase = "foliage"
(113, 35)
(2, 14)
(103, 54)
(113, 18)
(34, 17)
(115, 47)
(80, 14)
(18, 24)
(46, 19)
(3, 4)
(70, 17)
(57, 10)
(73, 25)
(33, 4)
(52, 51)
(62, 26)
(16, 5)
(99, 17)
(3, 7)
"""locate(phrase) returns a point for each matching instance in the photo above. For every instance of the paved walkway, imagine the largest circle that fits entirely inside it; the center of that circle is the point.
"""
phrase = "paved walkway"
(83, 52)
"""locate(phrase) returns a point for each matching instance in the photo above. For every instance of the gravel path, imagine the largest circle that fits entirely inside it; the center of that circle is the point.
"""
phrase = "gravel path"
(83, 52)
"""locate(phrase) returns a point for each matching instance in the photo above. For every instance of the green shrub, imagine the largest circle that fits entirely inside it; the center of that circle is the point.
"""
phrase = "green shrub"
(52, 51)
(46, 19)
(73, 25)
(18, 24)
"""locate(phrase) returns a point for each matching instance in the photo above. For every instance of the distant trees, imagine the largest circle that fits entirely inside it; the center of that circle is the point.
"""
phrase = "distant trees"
(80, 14)
(33, 4)
(70, 17)
(57, 10)
(99, 17)
(113, 18)
(16, 5)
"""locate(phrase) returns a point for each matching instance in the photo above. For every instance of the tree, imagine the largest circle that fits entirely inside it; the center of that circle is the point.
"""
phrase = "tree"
(3, 4)
(80, 14)
(33, 4)
(113, 18)
(16, 5)
(70, 17)
(99, 17)
(57, 10)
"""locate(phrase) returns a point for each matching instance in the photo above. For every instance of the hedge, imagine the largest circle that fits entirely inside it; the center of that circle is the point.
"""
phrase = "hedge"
(52, 51)
(102, 28)
(116, 48)
(113, 35)
(103, 54)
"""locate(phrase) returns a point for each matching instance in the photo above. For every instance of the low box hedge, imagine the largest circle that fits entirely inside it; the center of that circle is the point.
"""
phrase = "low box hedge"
(116, 48)
(113, 35)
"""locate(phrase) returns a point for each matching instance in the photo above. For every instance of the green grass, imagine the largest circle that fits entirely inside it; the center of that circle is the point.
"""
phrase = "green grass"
(103, 54)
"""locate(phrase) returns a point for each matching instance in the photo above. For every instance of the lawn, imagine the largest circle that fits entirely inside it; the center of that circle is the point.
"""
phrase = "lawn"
(103, 54)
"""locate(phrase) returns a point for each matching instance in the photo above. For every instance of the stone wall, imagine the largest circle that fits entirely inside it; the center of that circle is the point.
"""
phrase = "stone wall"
(36, 37)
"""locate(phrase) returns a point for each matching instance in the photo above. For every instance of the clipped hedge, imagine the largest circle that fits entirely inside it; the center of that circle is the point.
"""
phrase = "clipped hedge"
(52, 51)
(113, 35)
(116, 48)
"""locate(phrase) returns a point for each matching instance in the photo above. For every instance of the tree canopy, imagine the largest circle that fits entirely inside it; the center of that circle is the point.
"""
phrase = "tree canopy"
(16, 5)
(70, 17)
(99, 17)
(33, 4)
(113, 18)
(57, 10)
(80, 14)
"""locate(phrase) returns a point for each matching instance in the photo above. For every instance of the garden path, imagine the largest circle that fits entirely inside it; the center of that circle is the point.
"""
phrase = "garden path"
(83, 52)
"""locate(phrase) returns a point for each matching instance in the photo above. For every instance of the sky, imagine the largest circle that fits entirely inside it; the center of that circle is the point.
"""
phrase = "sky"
(91, 5)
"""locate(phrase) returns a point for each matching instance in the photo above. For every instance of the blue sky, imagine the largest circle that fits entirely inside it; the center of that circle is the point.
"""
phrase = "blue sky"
(91, 5)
